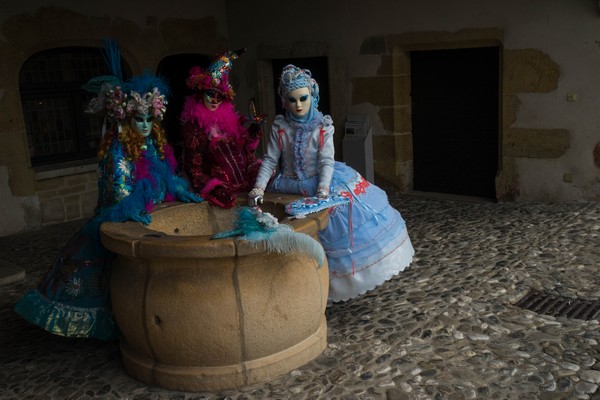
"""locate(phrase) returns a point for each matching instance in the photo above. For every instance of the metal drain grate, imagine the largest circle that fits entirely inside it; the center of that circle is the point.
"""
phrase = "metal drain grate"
(559, 306)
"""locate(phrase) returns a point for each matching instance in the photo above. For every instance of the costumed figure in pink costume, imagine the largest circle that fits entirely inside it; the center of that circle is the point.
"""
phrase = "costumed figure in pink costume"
(219, 145)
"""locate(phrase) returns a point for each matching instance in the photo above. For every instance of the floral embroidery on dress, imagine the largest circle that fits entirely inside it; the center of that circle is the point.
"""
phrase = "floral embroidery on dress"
(124, 166)
(361, 186)
(74, 287)
(346, 194)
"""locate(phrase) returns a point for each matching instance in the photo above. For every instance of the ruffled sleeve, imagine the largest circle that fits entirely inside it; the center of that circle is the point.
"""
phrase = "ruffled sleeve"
(115, 180)
(326, 152)
(271, 157)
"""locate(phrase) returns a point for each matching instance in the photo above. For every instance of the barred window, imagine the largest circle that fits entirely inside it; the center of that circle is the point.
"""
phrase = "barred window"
(53, 103)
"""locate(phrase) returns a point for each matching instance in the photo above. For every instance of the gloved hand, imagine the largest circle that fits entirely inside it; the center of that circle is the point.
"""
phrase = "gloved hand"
(322, 192)
(131, 208)
(142, 217)
(223, 197)
(186, 197)
(254, 129)
(255, 197)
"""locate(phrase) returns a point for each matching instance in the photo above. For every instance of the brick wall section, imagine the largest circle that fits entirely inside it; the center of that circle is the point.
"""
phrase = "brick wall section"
(67, 198)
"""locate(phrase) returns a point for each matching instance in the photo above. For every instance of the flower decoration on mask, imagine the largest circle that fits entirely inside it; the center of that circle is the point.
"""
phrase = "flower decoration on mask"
(147, 95)
(152, 103)
(293, 78)
(216, 75)
(110, 102)
(144, 94)
(116, 103)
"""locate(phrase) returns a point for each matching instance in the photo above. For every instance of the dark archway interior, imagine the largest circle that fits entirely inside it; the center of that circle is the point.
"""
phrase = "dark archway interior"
(455, 120)
(175, 70)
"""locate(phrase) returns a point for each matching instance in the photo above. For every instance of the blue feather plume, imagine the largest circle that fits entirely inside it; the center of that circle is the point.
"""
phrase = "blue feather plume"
(112, 57)
(146, 82)
(279, 238)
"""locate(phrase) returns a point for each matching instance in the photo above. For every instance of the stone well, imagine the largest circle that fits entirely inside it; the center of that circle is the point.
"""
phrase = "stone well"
(198, 314)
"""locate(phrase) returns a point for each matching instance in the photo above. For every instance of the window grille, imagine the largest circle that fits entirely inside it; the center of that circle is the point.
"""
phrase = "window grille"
(58, 129)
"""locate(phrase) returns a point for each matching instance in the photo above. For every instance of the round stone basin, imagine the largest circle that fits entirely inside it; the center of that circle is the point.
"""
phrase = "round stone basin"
(201, 315)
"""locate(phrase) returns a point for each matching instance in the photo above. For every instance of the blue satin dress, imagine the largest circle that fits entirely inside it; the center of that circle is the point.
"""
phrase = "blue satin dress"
(366, 241)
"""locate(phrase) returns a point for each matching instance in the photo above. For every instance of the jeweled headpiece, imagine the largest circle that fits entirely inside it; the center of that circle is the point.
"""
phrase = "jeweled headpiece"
(293, 78)
(216, 75)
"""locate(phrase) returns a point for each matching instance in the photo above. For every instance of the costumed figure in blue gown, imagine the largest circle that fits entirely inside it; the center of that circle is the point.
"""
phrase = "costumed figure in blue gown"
(136, 170)
(366, 241)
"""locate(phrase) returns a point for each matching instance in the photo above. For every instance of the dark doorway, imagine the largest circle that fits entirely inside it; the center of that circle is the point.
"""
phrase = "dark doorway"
(175, 70)
(455, 120)
(318, 70)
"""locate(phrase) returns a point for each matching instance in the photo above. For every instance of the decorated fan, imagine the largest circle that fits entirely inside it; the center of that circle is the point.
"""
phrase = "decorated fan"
(308, 205)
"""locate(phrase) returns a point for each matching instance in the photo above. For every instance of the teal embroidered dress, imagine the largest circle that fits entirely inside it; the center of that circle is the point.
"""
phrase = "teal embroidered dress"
(73, 298)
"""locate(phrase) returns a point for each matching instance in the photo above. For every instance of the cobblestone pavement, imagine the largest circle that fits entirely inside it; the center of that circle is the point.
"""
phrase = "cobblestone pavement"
(446, 328)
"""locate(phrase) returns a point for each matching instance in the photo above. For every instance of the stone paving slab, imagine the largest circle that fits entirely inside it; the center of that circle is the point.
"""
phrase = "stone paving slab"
(445, 328)
(10, 273)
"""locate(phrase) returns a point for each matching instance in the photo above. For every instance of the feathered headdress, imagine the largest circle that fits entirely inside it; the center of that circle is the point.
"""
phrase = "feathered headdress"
(216, 75)
(116, 99)
(109, 100)
(146, 95)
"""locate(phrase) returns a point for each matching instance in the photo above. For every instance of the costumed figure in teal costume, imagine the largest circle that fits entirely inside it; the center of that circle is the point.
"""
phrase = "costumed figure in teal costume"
(366, 241)
(136, 170)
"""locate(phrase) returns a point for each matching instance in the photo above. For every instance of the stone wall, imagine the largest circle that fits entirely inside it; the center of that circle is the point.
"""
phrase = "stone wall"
(62, 193)
(19, 213)
(67, 197)
(523, 70)
(526, 71)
